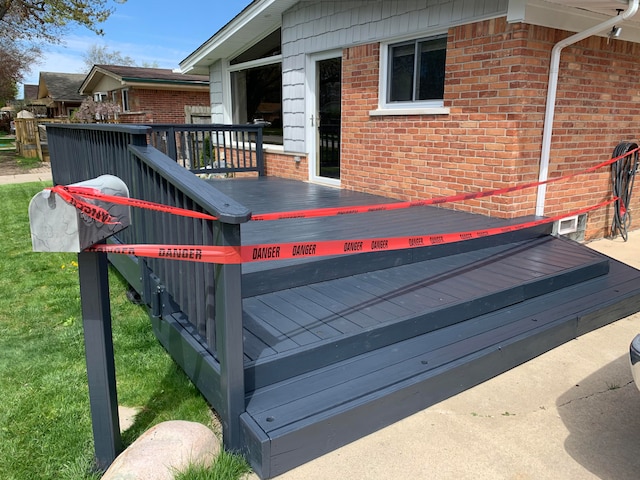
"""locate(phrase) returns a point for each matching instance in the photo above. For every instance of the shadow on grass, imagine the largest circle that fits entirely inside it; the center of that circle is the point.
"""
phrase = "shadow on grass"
(175, 398)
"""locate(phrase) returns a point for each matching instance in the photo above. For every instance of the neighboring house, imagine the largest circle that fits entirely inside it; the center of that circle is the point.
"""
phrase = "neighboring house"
(150, 95)
(58, 92)
(30, 92)
(417, 99)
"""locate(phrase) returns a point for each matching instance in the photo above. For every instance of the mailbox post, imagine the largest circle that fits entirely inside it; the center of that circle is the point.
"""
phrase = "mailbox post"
(57, 226)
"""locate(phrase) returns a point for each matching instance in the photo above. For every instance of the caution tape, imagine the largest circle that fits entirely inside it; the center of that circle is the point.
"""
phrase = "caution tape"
(89, 210)
(282, 251)
(75, 195)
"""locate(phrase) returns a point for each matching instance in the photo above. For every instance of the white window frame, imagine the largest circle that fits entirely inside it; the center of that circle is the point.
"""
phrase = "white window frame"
(100, 96)
(125, 100)
(228, 104)
(422, 107)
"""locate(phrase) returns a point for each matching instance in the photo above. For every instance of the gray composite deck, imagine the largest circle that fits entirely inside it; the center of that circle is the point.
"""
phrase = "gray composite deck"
(301, 357)
(331, 343)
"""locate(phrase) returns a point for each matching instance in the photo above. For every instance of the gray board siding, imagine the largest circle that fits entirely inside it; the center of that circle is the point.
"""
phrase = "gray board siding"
(314, 27)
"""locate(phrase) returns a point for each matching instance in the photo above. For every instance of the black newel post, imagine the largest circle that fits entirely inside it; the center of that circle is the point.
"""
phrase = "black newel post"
(101, 373)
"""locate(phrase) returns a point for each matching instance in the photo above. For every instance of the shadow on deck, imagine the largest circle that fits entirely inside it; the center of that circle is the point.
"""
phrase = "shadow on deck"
(338, 347)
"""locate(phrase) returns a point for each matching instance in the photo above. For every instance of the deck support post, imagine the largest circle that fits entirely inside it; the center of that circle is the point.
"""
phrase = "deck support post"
(228, 341)
(101, 373)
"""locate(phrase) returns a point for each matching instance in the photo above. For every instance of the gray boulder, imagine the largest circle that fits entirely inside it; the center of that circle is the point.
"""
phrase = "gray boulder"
(164, 450)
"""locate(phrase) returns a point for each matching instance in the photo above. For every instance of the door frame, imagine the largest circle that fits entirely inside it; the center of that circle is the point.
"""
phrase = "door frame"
(311, 109)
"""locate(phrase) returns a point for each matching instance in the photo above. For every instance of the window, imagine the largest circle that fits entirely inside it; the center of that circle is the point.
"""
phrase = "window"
(256, 87)
(257, 99)
(125, 100)
(100, 97)
(416, 72)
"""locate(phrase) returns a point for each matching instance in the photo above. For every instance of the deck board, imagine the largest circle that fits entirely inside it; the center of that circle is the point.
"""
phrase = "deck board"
(466, 284)
(325, 389)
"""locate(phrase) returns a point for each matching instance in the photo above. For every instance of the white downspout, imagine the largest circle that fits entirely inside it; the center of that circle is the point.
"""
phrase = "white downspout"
(631, 10)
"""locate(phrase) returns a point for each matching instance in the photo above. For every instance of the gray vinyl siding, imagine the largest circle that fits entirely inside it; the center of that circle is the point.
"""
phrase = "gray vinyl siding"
(215, 92)
(314, 27)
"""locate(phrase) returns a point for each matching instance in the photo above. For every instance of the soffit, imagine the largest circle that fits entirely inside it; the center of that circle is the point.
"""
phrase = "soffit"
(256, 21)
(261, 17)
(579, 15)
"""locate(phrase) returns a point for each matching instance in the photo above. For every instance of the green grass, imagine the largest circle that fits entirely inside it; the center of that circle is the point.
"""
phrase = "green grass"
(28, 163)
(226, 466)
(45, 423)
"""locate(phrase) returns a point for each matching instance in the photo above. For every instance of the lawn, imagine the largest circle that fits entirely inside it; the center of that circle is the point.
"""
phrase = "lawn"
(45, 424)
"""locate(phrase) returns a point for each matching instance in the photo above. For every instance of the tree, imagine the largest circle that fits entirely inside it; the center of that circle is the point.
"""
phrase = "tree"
(100, 55)
(91, 111)
(25, 25)
(13, 62)
(46, 20)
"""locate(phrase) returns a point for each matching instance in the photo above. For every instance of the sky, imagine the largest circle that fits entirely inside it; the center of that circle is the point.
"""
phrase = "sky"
(162, 32)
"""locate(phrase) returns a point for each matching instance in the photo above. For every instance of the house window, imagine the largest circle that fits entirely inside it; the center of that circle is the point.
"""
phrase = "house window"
(415, 72)
(256, 87)
(257, 99)
(125, 100)
(100, 97)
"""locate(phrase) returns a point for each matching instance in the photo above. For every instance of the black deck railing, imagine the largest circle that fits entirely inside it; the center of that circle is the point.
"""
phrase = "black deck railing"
(211, 148)
(205, 296)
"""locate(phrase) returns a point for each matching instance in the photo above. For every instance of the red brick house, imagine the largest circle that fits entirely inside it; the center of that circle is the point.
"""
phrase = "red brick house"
(150, 95)
(415, 99)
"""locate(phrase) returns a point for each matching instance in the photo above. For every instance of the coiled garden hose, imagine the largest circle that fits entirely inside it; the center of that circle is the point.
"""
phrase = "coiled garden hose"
(622, 177)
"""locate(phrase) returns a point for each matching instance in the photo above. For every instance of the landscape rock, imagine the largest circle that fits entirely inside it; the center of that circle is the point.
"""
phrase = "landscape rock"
(164, 450)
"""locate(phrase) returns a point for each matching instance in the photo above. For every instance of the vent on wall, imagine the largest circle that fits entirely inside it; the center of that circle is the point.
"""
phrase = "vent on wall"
(571, 227)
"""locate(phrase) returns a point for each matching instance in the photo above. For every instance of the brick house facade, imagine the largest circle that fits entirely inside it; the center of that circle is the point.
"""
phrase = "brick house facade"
(488, 134)
(495, 87)
(150, 95)
(161, 106)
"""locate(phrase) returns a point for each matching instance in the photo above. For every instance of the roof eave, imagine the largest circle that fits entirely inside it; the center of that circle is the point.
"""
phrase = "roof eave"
(164, 84)
(256, 20)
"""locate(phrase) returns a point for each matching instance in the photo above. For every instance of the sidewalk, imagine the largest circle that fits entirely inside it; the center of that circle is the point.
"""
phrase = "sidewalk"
(571, 413)
(40, 174)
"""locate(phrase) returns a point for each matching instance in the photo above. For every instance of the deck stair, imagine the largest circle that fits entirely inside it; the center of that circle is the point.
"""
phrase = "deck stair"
(300, 357)
(349, 355)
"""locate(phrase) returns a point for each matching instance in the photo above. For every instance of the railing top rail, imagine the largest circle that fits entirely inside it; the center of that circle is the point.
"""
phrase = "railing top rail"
(204, 127)
(209, 198)
(108, 127)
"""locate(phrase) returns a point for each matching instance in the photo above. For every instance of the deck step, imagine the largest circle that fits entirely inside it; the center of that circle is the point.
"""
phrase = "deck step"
(313, 326)
(265, 277)
(303, 417)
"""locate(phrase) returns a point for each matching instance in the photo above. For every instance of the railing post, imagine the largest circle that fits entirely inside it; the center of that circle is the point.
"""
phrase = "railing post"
(259, 153)
(172, 148)
(228, 341)
(101, 373)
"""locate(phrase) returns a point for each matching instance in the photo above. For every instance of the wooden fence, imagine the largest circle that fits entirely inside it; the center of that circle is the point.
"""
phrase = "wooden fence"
(31, 137)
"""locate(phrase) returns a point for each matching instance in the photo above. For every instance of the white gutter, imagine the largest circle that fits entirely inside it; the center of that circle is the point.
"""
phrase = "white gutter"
(631, 10)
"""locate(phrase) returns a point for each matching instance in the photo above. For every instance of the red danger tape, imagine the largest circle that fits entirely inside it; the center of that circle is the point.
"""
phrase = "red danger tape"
(282, 251)
(75, 195)
(94, 212)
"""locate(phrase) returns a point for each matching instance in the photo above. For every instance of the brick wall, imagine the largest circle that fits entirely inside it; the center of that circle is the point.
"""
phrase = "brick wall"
(161, 106)
(285, 166)
(495, 87)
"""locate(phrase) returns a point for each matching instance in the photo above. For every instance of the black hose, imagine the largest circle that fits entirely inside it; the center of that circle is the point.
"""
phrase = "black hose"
(622, 177)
